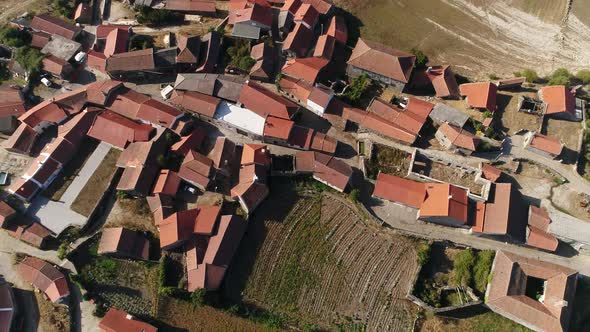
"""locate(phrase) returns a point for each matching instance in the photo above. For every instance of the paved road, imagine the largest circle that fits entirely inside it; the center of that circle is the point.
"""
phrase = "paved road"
(57, 215)
(404, 219)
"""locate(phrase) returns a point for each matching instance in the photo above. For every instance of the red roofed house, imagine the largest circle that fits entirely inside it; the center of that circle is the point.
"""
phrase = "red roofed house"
(223, 155)
(338, 29)
(457, 139)
(324, 48)
(537, 233)
(307, 15)
(6, 214)
(308, 69)
(83, 14)
(123, 242)
(167, 183)
(399, 190)
(298, 42)
(331, 171)
(117, 320)
(197, 7)
(322, 6)
(57, 67)
(180, 226)
(323, 143)
(444, 204)
(158, 114)
(22, 140)
(44, 277)
(118, 130)
(200, 105)
(196, 170)
(206, 271)
(264, 102)
(277, 131)
(251, 21)
(499, 217)
(319, 99)
(534, 293)
(444, 82)
(256, 154)
(381, 63)
(54, 25)
(561, 103)
(192, 141)
(12, 105)
(116, 41)
(251, 189)
(481, 96)
(543, 145)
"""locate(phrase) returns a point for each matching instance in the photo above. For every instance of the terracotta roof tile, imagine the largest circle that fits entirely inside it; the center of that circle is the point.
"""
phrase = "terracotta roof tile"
(444, 81)
(167, 183)
(195, 102)
(255, 154)
(54, 25)
(546, 143)
(371, 56)
(459, 137)
(307, 69)
(480, 95)
(445, 200)
(119, 321)
(338, 29)
(298, 41)
(396, 189)
(264, 102)
(45, 277)
(558, 99)
(278, 128)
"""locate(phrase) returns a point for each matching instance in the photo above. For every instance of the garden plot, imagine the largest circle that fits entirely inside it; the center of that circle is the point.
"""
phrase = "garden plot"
(132, 213)
(446, 173)
(320, 265)
(388, 160)
(509, 119)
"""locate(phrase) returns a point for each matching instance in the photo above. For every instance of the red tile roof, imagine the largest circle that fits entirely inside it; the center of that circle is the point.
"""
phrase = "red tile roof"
(400, 190)
(45, 277)
(507, 292)
(559, 99)
(371, 56)
(322, 6)
(264, 102)
(540, 239)
(131, 61)
(116, 41)
(11, 101)
(55, 65)
(223, 245)
(307, 69)
(119, 321)
(205, 276)
(22, 140)
(324, 143)
(411, 122)
(6, 213)
(206, 219)
(278, 128)
(480, 95)
(223, 153)
(445, 200)
(127, 102)
(291, 6)
(497, 213)
(333, 171)
(490, 172)
(177, 228)
(96, 60)
(298, 88)
(338, 29)
(196, 169)
(138, 180)
(299, 40)
(167, 183)
(324, 48)
(306, 14)
(304, 161)
(195, 102)
(39, 39)
(301, 137)
(123, 242)
(443, 80)
(54, 25)
(255, 154)
(419, 107)
(255, 13)
(118, 130)
(378, 124)
(158, 113)
(459, 137)
(546, 143)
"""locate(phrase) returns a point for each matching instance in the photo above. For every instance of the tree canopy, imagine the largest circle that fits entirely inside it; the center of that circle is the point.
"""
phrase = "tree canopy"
(239, 55)
(29, 58)
(14, 37)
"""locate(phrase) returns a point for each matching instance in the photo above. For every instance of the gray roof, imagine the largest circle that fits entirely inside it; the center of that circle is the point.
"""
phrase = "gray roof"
(165, 57)
(222, 86)
(445, 113)
(61, 47)
(246, 31)
(148, 3)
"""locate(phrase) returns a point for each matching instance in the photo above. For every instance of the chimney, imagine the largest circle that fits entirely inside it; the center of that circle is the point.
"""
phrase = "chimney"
(129, 317)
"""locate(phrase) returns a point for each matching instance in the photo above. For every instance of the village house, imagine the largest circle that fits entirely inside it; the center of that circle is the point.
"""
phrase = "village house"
(481, 96)
(12, 105)
(324, 168)
(511, 83)
(124, 243)
(537, 232)
(8, 307)
(161, 207)
(61, 48)
(83, 13)
(536, 294)
(308, 69)
(220, 86)
(441, 78)
(179, 227)
(57, 67)
(197, 170)
(442, 113)
(319, 99)
(54, 25)
(543, 145)
(265, 57)
(223, 155)
(307, 15)
(298, 42)
(381, 63)
(399, 190)
(561, 103)
(45, 277)
(252, 187)
(195, 7)
(118, 130)
(457, 139)
(251, 21)
(116, 320)
(338, 29)
(264, 102)
(444, 204)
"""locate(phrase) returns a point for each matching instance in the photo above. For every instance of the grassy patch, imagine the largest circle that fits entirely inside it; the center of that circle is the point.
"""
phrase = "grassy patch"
(70, 171)
(97, 184)
(486, 322)
(387, 160)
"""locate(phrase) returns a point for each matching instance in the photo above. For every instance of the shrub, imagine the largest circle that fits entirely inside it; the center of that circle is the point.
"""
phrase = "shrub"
(4, 72)
(13, 37)
(493, 77)
(64, 8)
(140, 42)
(197, 298)
(358, 86)
(162, 160)
(354, 195)
(583, 76)
(462, 267)
(421, 58)
(560, 76)
(62, 251)
(423, 254)
(239, 55)
(488, 114)
(86, 296)
(149, 16)
(100, 310)
(530, 75)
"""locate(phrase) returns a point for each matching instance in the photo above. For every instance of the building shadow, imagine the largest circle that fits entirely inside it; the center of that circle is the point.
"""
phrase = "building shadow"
(345, 151)
(27, 317)
(566, 250)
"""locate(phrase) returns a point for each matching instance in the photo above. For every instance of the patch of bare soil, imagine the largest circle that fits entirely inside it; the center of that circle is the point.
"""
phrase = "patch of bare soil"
(10, 9)
(52, 317)
(534, 181)
(571, 202)
(482, 37)
(510, 119)
(568, 132)
(132, 213)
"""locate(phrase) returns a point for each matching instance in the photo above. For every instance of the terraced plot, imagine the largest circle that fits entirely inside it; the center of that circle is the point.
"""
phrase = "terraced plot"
(321, 265)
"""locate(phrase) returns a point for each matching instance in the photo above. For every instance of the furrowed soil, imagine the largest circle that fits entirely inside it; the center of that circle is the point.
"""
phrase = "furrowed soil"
(482, 37)
(312, 259)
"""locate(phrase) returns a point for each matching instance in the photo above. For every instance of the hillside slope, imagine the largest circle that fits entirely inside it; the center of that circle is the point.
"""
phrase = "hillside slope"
(482, 37)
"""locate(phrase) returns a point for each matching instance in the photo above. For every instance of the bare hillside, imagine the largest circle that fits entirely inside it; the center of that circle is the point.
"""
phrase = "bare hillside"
(482, 37)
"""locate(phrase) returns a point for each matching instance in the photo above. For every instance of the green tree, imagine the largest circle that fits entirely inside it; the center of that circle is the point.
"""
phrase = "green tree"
(357, 88)
(239, 56)
(29, 58)
(354, 195)
(462, 267)
(140, 42)
(197, 297)
(157, 17)
(64, 8)
(421, 58)
(13, 37)
(560, 76)
(583, 76)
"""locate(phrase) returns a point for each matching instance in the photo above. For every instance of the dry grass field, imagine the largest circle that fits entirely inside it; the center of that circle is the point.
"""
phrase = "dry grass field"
(482, 37)
(315, 261)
